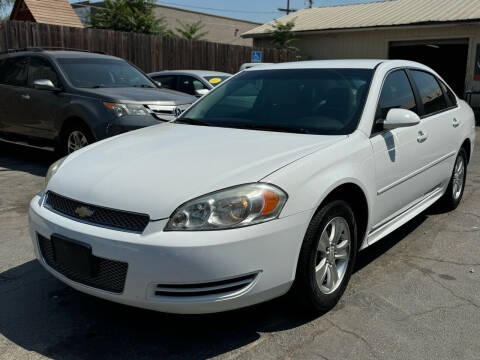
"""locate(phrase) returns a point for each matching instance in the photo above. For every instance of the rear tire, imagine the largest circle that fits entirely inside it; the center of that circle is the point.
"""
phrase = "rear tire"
(75, 137)
(454, 193)
(327, 258)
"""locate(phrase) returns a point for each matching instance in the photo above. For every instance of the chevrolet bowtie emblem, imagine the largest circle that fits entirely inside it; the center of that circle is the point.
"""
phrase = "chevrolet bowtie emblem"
(84, 212)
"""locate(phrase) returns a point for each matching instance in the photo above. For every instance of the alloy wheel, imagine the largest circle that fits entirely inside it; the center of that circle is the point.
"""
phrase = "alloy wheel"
(76, 140)
(333, 255)
(458, 177)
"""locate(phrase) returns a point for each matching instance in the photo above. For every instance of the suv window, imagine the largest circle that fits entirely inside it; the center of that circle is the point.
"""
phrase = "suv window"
(430, 92)
(41, 69)
(168, 82)
(13, 71)
(452, 100)
(397, 93)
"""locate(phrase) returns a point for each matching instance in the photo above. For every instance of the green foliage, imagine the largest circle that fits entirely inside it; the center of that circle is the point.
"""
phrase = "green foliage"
(191, 31)
(128, 15)
(283, 36)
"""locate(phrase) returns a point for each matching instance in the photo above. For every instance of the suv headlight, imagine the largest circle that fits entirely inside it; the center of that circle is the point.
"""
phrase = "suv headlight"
(230, 208)
(53, 169)
(127, 109)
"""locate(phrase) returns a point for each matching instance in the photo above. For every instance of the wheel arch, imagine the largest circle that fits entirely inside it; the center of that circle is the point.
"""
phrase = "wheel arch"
(467, 145)
(355, 195)
(70, 121)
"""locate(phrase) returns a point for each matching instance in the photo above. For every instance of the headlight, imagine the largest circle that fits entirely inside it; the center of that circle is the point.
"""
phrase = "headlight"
(127, 109)
(53, 169)
(231, 208)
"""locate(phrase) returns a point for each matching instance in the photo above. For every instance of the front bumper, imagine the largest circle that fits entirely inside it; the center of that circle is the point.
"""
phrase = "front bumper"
(269, 251)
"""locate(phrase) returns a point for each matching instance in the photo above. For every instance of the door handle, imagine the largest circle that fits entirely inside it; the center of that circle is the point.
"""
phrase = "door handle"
(422, 137)
(26, 96)
(455, 123)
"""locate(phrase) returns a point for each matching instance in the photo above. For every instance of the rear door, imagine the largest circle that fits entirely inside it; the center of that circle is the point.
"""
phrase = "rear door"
(438, 128)
(14, 95)
(399, 155)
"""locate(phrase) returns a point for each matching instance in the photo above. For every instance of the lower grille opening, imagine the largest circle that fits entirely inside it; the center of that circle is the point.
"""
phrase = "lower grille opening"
(109, 276)
(203, 289)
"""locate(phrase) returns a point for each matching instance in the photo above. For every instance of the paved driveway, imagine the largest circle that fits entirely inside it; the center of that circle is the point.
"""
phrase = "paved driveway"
(415, 295)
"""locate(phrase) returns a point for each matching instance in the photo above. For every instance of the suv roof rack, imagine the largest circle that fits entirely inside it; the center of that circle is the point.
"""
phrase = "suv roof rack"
(49, 48)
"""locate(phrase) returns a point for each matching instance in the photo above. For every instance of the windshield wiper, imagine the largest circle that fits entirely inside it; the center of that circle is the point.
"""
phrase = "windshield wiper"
(144, 86)
(270, 128)
(190, 121)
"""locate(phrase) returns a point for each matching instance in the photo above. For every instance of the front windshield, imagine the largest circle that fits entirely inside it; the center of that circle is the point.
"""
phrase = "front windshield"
(312, 101)
(103, 73)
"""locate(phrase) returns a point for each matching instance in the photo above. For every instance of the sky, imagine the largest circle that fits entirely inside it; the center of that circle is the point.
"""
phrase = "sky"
(254, 10)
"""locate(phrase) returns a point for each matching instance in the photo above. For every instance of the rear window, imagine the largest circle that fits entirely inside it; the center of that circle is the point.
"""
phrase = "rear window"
(13, 71)
(430, 92)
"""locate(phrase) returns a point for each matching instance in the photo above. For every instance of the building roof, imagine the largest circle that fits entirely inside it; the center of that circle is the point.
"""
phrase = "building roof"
(378, 14)
(55, 12)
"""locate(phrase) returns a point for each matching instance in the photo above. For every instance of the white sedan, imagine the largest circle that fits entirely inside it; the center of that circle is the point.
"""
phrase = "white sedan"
(272, 183)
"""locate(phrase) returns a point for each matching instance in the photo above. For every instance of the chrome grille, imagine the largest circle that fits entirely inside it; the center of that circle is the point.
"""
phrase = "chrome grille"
(110, 275)
(117, 219)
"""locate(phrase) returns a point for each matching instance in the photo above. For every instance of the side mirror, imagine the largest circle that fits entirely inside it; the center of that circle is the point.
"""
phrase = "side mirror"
(158, 83)
(44, 84)
(201, 92)
(397, 118)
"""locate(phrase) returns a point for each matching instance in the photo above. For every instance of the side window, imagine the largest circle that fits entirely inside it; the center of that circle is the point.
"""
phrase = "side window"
(168, 82)
(452, 100)
(430, 92)
(188, 84)
(396, 93)
(41, 69)
(15, 71)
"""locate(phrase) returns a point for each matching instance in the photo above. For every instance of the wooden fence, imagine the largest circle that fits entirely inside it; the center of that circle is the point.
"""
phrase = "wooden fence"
(148, 52)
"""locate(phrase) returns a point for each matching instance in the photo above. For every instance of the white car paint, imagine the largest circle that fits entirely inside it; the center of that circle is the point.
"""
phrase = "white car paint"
(155, 170)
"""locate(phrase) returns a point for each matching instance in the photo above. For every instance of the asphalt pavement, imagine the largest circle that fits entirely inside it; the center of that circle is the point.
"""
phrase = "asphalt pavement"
(414, 295)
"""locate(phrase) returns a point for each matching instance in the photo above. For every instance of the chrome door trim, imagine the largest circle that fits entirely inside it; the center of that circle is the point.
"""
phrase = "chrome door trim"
(415, 173)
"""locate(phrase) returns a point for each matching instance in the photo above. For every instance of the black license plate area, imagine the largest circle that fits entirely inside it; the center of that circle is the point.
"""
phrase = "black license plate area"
(75, 256)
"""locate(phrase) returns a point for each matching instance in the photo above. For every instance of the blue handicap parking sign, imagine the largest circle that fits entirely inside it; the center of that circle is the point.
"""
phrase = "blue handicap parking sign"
(256, 56)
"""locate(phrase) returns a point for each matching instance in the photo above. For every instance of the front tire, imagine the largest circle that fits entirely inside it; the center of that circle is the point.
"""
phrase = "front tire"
(454, 193)
(327, 257)
(74, 138)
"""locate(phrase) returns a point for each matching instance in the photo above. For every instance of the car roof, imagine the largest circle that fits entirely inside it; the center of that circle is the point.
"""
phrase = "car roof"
(61, 54)
(202, 73)
(338, 64)
(64, 54)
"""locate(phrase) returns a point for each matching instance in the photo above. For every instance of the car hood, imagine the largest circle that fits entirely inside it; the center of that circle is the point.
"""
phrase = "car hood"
(156, 169)
(140, 95)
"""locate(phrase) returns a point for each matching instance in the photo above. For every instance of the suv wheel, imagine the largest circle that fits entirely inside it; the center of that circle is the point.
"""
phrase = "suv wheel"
(75, 137)
(327, 257)
(454, 193)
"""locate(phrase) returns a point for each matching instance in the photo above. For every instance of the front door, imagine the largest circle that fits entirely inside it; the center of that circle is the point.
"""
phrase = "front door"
(399, 153)
(43, 105)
